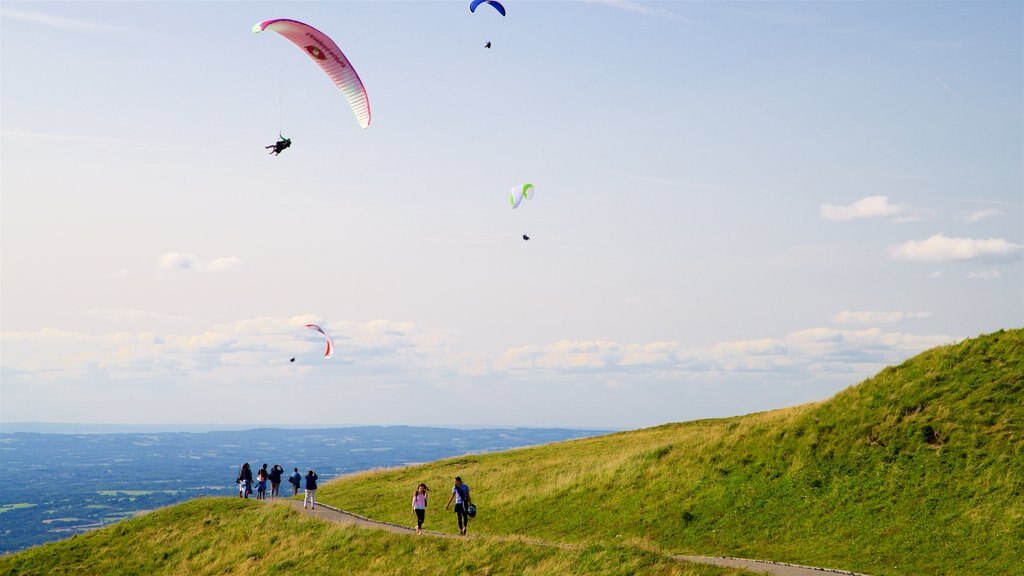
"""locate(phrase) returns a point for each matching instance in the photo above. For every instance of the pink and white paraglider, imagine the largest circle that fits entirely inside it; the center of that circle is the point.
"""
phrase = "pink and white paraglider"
(329, 57)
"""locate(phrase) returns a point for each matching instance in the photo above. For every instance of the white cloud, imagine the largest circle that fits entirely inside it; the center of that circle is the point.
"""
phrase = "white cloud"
(941, 248)
(180, 261)
(249, 346)
(811, 350)
(981, 215)
(245, 364)
(562, 355)
(383, 346)
(868, 207)
(851, 317)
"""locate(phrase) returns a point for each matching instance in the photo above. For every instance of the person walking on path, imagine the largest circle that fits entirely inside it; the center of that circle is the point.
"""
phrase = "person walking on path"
(419, 505)
(261, 483)
(310, 490)
(296, 480)
(275, 480)
(460, 493)
(244, 481)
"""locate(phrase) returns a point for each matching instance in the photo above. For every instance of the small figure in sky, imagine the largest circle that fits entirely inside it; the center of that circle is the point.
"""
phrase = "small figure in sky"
(488, 45)
(525, 237)
(292, 360)
(280, 145)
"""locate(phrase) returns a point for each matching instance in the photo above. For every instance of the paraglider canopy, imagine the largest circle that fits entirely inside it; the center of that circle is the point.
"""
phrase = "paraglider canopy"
(526, 191)
(497, 5)
(329, 57)
(330, 341)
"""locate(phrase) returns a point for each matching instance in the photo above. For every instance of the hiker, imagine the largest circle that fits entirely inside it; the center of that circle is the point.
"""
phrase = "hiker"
(295, 480)
(244, 481)
(460, 493)
(261, 483)
(275, 481)
(310, 490)
(419, 505)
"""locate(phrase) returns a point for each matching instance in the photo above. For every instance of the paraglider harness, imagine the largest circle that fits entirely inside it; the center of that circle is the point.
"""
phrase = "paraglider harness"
(280, 145)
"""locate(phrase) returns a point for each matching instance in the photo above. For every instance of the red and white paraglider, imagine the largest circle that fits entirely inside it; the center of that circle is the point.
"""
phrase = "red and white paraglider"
(330, 341)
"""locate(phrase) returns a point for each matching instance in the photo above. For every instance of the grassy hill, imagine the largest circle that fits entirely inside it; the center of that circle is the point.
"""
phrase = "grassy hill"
(919, 470)
(214, 536)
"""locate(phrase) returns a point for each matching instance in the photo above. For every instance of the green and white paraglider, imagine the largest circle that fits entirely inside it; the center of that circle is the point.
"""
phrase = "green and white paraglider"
(520, 193)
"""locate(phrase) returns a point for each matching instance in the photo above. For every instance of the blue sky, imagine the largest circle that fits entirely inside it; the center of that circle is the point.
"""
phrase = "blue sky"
(741, 206)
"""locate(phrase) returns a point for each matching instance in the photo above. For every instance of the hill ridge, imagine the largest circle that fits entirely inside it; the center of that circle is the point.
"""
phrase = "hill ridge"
(918, 470)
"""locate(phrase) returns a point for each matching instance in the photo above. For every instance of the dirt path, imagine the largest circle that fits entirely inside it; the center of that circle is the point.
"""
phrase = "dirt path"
(332, 514)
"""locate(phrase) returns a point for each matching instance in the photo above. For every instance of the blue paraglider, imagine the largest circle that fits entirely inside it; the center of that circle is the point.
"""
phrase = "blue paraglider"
(497, 5)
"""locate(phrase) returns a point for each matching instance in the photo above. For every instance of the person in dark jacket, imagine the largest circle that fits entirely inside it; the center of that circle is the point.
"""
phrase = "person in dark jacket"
(244, 481)
(275, 480)
(310, 490)
(296, 481)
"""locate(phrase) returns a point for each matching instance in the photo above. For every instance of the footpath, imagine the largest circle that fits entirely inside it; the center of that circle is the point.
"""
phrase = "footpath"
(331, 514)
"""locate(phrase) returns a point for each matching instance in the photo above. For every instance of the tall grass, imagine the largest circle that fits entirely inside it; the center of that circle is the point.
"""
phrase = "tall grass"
(918, 470)
(231, 536)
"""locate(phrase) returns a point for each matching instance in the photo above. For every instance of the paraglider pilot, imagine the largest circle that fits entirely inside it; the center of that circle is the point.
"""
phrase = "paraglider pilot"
(488, 45)
(280, 145)
(525, 237)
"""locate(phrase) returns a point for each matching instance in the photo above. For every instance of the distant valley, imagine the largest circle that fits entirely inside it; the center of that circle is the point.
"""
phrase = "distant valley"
(56, 485)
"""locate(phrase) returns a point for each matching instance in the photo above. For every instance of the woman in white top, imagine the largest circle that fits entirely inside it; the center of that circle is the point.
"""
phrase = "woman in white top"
(419, 505)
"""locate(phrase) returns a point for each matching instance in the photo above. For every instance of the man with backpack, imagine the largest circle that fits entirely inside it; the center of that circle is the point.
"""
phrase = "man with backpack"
(460, 494)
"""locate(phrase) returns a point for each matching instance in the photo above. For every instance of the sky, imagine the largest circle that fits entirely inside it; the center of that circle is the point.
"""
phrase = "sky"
(740, 207)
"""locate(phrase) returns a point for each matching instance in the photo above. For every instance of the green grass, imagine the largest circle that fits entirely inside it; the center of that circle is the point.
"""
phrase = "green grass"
(231, 536)
(919, 470)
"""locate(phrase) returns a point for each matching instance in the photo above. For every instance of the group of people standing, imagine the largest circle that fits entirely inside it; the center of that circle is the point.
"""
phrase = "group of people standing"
(464, 509)
(273, 476)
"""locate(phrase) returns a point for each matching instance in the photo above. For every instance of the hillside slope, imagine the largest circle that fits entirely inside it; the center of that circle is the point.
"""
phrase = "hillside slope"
(215, 536)
(917, 470)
